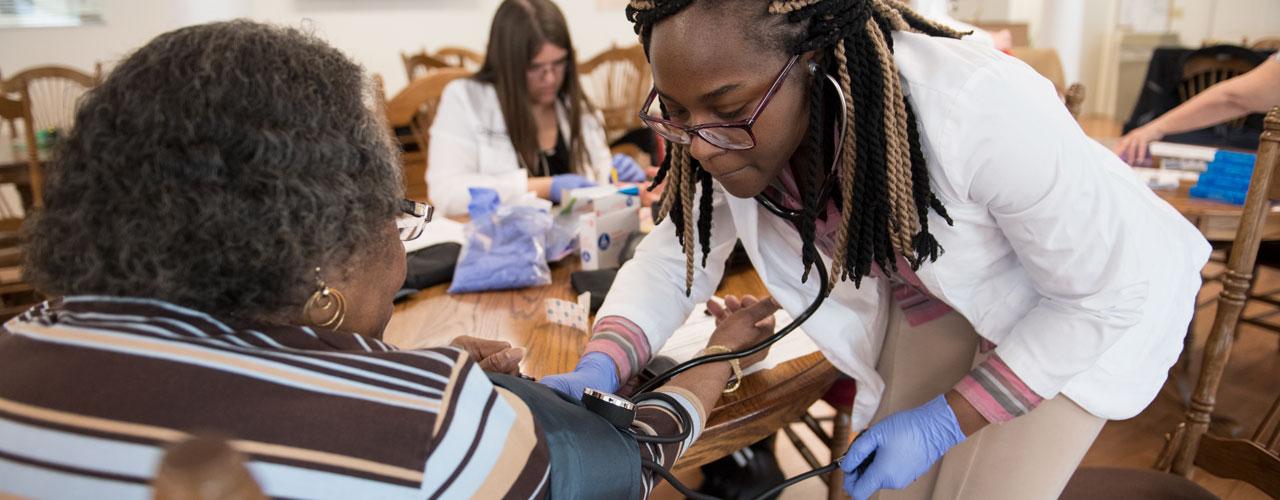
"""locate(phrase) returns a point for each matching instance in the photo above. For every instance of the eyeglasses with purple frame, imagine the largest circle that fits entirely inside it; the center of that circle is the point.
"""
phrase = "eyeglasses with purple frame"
(736, 135)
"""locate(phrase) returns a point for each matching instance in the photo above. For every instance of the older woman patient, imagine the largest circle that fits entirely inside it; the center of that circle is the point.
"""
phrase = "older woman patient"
(223, 227)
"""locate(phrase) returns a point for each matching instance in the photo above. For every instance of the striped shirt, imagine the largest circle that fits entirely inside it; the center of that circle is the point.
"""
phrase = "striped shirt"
(93, 389)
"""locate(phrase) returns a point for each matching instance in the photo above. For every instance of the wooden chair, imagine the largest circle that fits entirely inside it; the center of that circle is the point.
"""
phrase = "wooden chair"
(409, 115)
(1119, 483)
(1192, 443)
(1206, 68)
(460, 57)
(15, 111)
(16, 295)
(1255, 460)
(839, 396)
(1074, 99)
(1266, 43)
(53, 92)
(1200, 72)
(617, 81)
(419, 64)
(204, 468)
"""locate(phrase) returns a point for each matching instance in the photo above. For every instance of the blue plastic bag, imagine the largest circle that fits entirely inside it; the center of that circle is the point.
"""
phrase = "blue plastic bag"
(505, 248)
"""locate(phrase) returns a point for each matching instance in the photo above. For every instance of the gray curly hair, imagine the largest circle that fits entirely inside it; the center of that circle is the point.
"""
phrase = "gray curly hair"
(216, 168)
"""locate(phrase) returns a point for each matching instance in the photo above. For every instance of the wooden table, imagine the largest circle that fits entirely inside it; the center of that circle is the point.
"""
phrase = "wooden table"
(1216, 220)
(766, 401)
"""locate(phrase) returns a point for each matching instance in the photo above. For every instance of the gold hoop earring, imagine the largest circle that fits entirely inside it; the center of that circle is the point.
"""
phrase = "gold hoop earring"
(326, 308)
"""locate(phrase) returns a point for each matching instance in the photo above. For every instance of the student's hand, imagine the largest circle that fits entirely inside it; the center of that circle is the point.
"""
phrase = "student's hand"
(900, 448)
(627, 168)
(743, 323)
(565, 182)
(492, 355)
(1132, 148)
(595, 370)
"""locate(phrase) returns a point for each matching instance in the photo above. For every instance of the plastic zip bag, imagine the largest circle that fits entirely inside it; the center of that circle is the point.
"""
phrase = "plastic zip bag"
(505, 246)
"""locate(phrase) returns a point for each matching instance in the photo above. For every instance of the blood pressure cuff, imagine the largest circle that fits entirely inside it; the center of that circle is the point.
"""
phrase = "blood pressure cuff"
(590, 458)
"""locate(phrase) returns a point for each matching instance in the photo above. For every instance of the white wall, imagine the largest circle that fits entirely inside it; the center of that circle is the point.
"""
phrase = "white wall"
(372, 32)
(1193, 20)
(982, 10)
(1013, 11)
(129, 23)
(1082, 30)
(1225, 20)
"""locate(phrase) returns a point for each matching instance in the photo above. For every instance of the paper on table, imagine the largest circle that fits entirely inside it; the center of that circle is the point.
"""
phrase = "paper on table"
(1156, 178)
(1187, 151)
(692, 337)
(438, 231)
(570, 314)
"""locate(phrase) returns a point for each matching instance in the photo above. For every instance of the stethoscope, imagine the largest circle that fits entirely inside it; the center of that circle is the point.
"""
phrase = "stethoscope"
(794, 217)
(643, 392)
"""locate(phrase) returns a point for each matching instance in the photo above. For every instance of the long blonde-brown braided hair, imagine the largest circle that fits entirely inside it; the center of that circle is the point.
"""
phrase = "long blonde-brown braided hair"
(881, 171)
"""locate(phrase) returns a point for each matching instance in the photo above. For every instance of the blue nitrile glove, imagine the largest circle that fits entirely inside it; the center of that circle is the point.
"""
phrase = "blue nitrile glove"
(595, 370)
(563, 182)
(905, 445)
(484, 201)
(628, 169)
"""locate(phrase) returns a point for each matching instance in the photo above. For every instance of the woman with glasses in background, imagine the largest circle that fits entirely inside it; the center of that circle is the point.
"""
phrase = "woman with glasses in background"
(521, 123)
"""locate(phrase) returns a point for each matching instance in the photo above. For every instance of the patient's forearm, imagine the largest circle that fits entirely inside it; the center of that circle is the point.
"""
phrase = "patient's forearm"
(706, 382)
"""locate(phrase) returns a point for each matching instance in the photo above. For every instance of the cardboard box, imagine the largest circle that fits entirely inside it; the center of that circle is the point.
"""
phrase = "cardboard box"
(601, 237)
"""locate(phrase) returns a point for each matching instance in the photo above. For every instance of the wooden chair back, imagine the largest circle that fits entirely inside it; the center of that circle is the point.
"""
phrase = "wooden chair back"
(409, 115)
(1074, 99)
(460, 57)
(204, 468)
(53, 92)
(419, 64)
(16, 110)
(1266, 43)
(1255, 460)
(16, 295)
(1206, 68)
(617, 81)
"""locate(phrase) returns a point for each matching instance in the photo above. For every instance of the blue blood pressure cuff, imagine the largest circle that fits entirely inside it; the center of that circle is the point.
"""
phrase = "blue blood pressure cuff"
(590, 457)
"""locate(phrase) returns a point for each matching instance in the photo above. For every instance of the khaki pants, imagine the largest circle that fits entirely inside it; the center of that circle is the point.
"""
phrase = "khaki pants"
(1030, 457)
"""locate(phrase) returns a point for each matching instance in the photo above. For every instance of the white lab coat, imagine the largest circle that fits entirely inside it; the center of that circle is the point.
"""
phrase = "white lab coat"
(1084, 277)
(470, 147)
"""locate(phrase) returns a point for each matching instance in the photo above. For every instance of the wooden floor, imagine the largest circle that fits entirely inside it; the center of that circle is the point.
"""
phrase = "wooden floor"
(1248, 386)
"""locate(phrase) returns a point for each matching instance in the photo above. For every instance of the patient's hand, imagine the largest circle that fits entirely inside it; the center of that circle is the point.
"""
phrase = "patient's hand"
(743, 323)
(492, 355)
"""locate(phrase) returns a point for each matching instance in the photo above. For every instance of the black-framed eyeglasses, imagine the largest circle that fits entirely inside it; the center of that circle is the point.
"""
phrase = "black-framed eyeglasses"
(735, 135)
(413, 218)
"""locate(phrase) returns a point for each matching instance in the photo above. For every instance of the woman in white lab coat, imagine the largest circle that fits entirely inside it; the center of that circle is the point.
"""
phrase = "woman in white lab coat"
(959, 208)
(521, 123)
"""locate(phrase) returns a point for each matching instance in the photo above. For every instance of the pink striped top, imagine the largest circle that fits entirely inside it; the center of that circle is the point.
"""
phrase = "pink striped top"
(992, 388)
